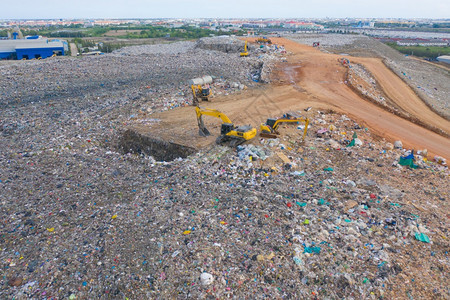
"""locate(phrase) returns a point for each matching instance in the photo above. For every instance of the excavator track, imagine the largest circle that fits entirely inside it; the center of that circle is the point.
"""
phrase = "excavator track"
(229, 141)
(268, 135)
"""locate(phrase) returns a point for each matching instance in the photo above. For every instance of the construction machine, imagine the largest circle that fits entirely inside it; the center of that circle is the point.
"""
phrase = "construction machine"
(269, 129)
(229, 133)
(200, 88)
(199, 92)
(245, 53)
(263, 40)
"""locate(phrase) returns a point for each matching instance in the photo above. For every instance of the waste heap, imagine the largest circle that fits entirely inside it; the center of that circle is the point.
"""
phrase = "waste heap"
(274, 219)
(331, 218)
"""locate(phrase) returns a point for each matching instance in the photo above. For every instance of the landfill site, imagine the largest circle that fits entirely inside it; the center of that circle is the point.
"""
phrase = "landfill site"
(308, 166)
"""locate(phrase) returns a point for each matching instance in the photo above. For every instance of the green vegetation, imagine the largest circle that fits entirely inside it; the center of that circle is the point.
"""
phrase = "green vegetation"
(146, 31)
(84, 43)
(105, 47)
(184, 32)
(74, 33)
(393, 25)
(110, 47)
(421, 51)
(341, 31)
(435, 27)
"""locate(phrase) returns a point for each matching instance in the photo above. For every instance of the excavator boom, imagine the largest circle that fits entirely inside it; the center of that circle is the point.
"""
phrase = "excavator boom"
(245, 53)
(212, 113)
(279, 121)
(269, 129)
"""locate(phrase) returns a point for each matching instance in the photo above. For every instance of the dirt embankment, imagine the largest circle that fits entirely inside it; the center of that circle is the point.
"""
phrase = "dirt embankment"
(320, 74)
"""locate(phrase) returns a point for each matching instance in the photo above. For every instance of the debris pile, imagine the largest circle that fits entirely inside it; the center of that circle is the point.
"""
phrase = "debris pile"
(273, 218)
(364, 82)
(224, 43)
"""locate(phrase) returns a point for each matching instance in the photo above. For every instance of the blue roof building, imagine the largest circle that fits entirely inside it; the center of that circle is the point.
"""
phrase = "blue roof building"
(31, 48)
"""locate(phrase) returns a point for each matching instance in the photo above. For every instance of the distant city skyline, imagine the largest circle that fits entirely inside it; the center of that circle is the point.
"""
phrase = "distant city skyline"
(49, 9)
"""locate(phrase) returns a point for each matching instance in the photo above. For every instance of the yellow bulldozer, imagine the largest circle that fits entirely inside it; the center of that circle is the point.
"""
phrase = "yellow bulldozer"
(263, 40)
(229, 133)
(269, 129)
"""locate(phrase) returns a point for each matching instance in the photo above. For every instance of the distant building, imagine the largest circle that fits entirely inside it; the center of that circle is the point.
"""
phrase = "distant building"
(302, 25)
(444, 58)
(31, 48)
(365, 24)
(423, 42)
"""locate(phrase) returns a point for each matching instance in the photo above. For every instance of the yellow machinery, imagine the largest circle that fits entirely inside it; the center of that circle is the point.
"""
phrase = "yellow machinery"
(199, 92)
(263, 40)
(245, 53)
(228, 132)
(269, 129)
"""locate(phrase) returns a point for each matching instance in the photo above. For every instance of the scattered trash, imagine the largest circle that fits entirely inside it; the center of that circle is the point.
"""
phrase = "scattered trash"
(206, 279)
(127, 226)
(398, 145)
(422, 237)
(408, 160)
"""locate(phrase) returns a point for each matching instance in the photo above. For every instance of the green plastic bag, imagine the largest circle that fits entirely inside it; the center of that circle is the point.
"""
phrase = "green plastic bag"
(422, 237)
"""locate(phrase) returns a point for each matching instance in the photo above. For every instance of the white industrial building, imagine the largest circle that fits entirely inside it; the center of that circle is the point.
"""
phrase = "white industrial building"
(444, 58)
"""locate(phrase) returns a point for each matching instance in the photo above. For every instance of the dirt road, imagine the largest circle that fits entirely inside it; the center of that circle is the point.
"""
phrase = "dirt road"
(73, 49)
(401, 94)
(313, 78)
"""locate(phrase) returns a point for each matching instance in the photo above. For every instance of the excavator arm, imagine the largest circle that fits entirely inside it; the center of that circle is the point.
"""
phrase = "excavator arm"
(270, 127)
(203, 131)
(245, 53)
(279, 121)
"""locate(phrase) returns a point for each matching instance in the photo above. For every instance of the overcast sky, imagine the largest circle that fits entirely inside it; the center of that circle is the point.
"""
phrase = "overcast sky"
(49, 9)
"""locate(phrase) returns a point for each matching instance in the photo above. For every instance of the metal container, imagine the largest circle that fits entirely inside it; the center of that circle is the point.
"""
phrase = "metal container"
(201, 80)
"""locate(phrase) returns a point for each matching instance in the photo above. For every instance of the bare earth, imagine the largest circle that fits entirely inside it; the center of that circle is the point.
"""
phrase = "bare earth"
(73, 49)
(312, 78)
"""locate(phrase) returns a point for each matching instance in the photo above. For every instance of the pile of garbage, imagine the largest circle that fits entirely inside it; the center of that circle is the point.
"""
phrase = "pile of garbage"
(225, 43)
(252, 152)
(275, 218)
(169, 48)
(363, 81)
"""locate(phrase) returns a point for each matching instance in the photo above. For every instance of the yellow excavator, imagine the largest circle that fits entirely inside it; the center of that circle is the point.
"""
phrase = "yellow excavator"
(269, 129)
(229, 133)
(199, 92)
(245, 53)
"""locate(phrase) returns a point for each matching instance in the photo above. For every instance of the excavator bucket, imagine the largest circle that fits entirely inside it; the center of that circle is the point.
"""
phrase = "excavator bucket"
(203, 131)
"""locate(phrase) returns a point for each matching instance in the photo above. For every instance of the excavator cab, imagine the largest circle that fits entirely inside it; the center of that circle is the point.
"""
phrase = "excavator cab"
(199, 92)
(271, 122)
(205, 94)
(226, 128)
(228, 131)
